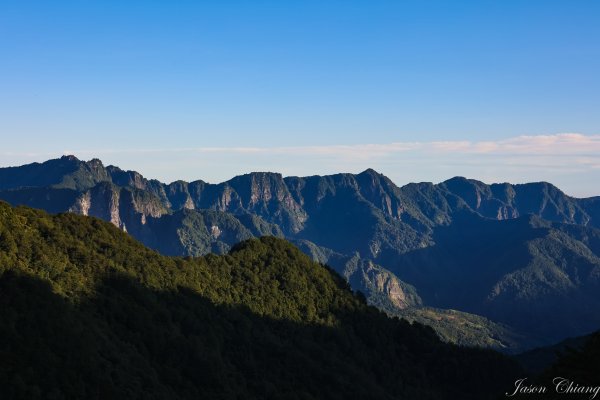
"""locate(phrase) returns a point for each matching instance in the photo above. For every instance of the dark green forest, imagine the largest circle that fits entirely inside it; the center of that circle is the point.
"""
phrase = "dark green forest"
(86, 312)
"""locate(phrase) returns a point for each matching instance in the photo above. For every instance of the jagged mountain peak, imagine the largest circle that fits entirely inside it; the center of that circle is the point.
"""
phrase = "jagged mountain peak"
(461, 181)
(374, 178)
(544, 186)
(94, 162)
(370, 171)
(260, 174)
(259, 185)
(264, 182)
(65, 172)
(68, 157)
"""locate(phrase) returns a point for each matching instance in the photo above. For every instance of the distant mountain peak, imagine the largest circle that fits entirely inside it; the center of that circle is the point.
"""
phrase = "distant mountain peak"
(457, 179)
(370, 171)
(93, 161)
(69, 157)
(260, 174)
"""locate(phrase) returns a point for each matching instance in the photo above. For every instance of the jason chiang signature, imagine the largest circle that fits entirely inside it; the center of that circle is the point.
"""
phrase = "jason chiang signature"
(560, 386)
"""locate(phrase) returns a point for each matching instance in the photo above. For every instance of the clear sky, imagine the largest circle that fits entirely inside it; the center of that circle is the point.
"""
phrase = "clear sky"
(419, 90)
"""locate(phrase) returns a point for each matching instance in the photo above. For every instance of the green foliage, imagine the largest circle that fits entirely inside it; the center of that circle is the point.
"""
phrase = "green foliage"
(191, 233)
(465, 329)
(88, 312)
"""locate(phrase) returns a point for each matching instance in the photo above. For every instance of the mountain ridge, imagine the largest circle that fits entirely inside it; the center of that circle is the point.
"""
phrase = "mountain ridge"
(376, 234)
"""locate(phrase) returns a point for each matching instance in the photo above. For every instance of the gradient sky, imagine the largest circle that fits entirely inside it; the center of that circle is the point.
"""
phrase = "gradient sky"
(419, 90)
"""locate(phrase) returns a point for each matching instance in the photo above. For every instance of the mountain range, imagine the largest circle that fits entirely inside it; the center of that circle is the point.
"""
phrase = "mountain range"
(504, 266)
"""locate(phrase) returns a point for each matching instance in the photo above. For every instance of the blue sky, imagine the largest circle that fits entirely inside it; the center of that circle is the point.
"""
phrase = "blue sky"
(211, 89)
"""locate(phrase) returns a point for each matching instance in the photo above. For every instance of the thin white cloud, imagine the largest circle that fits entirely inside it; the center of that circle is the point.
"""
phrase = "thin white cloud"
(559, 144)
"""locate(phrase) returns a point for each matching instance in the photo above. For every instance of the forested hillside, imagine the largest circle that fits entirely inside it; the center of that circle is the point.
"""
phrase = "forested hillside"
(88, 312)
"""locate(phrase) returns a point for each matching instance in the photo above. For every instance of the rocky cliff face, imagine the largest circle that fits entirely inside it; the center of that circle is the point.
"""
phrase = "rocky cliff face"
(383, 287)
(102, 201)
(122, 207)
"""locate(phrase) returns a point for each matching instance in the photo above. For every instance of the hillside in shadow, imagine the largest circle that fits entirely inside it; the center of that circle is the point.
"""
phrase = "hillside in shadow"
(88, 312)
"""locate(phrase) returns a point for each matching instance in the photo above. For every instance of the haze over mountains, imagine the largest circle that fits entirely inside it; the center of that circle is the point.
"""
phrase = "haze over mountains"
(520, 263)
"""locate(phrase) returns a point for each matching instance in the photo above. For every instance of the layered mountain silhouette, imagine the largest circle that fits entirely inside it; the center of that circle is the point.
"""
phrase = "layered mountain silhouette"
(506, 266)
